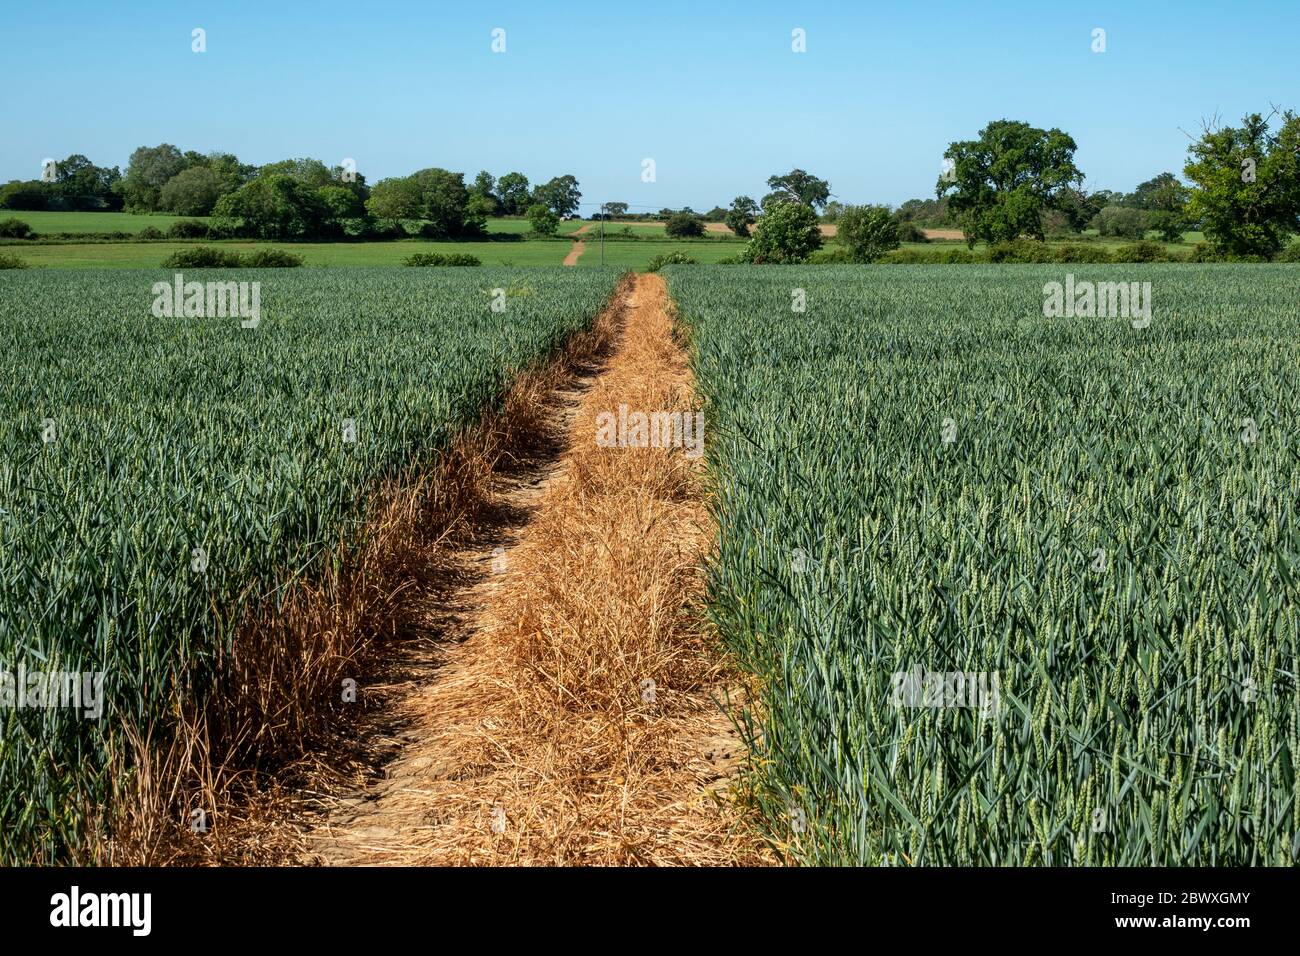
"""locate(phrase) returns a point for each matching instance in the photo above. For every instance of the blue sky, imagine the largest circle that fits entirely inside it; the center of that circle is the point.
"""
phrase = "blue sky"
(711, 91)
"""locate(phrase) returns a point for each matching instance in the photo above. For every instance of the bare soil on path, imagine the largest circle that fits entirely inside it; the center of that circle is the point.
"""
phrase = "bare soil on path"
(575, 251)
(565, 705)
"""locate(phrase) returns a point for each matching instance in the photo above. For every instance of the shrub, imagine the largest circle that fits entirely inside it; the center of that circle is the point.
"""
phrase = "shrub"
(955, 256)
(271, 259)
(836, 255)
(1204, 252)
(150, 232)
(867, 232)
(188, 229)
(911, 232)
(670, 259)
(1141, 252)
(788, 232)
(542, 219)
(11, 262)
(202, 257)
(441, 259)
(683, 225)
(1291, 253)
(1079, 252)
(15, 229)
(1020, 251)
(223, 229)
(951, 256)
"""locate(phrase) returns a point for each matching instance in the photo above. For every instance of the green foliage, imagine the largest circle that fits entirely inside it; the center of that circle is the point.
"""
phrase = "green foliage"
(560, 195)
(15, 229)
(203, 257)
(441, 259)
(207, 257)
(1247, 186)
(1147, 711)
(395, 199)
(835, 255)
(787, 233)
(543, 219)
(1164, 200)
(910, 232)
(444, 204)
(1082, 252)
(1140, 252)
(188, 229)
(147, 171)
(867, 232)
(1020, 251)
(185, 433)
(940, 255)
(150, 232)
(30, 194)
(1123, 222)
(799, 187)
(514, 193)
(8, 261)
(1003, 181)
(341, 203)
(1291, 253)
(741, 216)
(926, 213)
(276, 206)
(191, 192)
(271, 259)
(684, 226)
(670, 259)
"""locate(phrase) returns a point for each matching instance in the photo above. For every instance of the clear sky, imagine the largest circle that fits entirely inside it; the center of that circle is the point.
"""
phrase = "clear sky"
(711, 91)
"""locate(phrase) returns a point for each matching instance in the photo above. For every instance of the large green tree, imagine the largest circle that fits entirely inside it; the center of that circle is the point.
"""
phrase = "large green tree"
(444, 204)
(1002, 182)
(741, 215)
(798, 186)
(147, 171)
(395, 199)
(560, 195)
(513, 191)
(1247, 185)
(191, 192)
(1164, 200)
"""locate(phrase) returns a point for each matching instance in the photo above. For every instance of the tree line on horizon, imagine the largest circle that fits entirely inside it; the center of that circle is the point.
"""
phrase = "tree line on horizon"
(1013, 181)
(291, 199)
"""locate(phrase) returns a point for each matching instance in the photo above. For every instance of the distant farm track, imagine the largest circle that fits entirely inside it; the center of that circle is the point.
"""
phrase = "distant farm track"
(578, 246)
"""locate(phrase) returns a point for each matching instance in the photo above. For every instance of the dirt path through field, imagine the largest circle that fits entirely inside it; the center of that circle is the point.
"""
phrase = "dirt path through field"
(567, 709)
(578, 245)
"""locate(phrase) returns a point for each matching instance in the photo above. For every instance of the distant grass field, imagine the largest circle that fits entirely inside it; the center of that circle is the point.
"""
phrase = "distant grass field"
(52, 222)
(637, 255)
(521, 226)
(149, 255)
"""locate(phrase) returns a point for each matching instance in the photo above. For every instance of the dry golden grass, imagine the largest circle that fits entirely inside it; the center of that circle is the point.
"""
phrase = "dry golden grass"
(539, 741)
